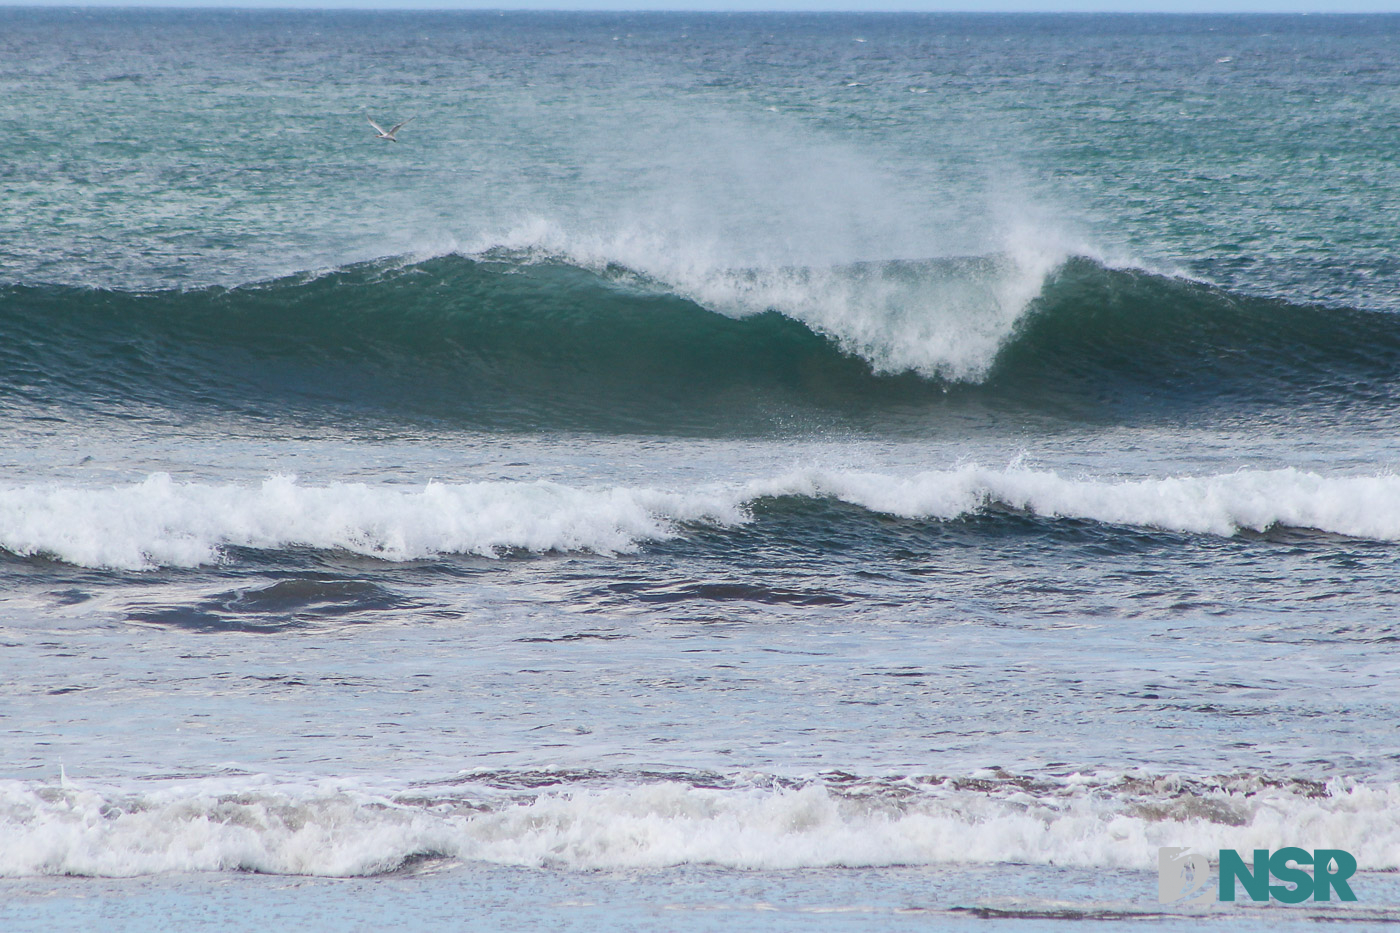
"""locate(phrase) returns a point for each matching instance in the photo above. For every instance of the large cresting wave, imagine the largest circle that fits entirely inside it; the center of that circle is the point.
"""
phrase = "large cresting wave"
(520, 340)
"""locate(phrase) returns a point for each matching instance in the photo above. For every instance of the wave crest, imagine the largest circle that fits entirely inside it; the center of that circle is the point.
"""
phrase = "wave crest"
(523, 340)
(161, 522)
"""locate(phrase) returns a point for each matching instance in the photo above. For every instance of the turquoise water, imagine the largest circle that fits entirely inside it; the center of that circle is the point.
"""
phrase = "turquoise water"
(890, 469)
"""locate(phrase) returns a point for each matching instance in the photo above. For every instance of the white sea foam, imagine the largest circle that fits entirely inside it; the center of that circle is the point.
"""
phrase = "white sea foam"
(340, 830)
(1224, 504)
(939, 318)
(161, 522)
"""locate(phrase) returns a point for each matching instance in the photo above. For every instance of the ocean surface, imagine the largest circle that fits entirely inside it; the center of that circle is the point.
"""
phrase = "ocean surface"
(712, 472)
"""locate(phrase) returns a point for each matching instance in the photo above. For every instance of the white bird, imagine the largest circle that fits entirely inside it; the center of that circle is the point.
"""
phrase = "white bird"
(381, 133)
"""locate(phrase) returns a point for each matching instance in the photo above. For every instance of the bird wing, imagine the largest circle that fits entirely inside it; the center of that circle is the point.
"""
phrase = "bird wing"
(397, 125)
(377, 126)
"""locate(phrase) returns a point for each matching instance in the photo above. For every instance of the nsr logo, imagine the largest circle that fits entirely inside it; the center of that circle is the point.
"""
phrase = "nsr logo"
(1181, 874)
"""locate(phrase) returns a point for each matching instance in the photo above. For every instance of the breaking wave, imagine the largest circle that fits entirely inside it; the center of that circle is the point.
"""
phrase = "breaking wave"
(162, 522)
(591, 821)
(520, 339)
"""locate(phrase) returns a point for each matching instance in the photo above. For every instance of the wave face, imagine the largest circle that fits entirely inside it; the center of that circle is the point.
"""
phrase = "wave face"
(516, 340)
(160, 522)
(581, 821)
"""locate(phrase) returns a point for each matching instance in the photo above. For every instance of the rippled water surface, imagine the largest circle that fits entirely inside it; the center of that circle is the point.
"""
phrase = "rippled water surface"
(716, 471)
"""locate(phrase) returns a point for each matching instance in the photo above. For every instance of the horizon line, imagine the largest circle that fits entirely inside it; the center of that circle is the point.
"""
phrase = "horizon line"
(1128, 10)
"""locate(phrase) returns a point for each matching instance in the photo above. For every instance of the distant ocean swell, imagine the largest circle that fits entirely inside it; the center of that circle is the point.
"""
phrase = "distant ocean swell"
(588, 821)
(161, 522)
(514, 339)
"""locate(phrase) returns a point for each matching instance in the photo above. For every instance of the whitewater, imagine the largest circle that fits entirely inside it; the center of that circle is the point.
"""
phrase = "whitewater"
(1082, 821)
(163, 523)
(765, 472)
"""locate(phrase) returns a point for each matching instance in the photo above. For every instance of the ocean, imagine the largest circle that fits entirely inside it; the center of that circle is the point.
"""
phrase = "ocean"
(712, 472)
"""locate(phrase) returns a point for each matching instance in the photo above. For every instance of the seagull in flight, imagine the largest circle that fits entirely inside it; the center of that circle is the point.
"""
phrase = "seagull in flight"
(381, 133)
